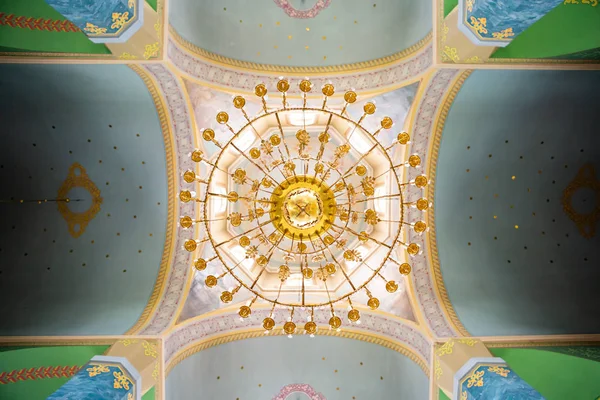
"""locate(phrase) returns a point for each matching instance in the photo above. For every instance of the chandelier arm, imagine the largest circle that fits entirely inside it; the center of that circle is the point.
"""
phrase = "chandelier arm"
(270, 252)
(387, 196)
(340, 265)
(383, 173)
(249, 159)
(358, 236)
(287, 150)
(242, 234)
(303, 287)
(356, 163)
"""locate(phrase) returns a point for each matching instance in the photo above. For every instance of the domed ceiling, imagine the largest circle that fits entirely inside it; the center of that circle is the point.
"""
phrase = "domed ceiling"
(517, 202)
(90, 134)
(301, 32)
(201, 299)
(336, 368)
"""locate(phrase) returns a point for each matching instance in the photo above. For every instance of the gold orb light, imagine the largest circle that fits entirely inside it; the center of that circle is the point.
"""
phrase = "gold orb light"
(304, 206)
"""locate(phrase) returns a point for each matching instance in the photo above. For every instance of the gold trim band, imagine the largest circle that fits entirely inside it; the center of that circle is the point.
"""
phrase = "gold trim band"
(161, 279)
(270, 68)
(444, 299)
(324, 331)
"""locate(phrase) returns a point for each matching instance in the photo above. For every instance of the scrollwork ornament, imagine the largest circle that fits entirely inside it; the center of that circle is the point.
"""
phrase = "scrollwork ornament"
(78, 221)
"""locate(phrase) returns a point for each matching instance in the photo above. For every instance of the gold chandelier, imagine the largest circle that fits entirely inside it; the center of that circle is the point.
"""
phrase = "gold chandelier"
(315, 211)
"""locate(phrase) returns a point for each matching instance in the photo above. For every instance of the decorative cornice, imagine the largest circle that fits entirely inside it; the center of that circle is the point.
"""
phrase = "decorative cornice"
(284, 69)
(227, 78)
(444, 299)
(204, 332)
(163, 308)
(426, 120)
(165, 262)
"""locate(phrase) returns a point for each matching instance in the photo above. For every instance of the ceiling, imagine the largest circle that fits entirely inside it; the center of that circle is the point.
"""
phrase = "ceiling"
(102, 117)
(338, 368)
(343, 32)
(519, 265)
(207, 103)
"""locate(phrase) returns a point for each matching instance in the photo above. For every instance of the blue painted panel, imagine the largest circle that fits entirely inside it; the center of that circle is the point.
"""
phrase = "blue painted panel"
(497, 22)
(495, 382)
(97, 381)
(102, 117)
(103, 21)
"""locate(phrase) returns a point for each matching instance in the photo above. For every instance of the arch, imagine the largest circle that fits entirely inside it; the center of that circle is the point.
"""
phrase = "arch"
(224, 326)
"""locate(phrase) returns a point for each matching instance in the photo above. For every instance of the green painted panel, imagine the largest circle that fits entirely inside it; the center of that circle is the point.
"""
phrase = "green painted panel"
(449, 5)
(567, 29)
(44, 41)
(556, 376)
(150, 395)
(442, 395)
(4, 49)
(42, 357)
(590, 54)
(152, 4)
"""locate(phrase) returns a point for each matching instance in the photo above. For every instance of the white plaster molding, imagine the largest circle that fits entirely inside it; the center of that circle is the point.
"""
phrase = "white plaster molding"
(179, 116)
(200, 329)
(384, 78)
(422, 134)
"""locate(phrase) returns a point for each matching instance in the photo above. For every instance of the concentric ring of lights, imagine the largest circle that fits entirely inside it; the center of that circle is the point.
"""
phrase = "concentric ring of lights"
(323, 230)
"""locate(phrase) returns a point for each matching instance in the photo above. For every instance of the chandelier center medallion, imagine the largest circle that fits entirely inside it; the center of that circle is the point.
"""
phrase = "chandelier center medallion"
(303, 207)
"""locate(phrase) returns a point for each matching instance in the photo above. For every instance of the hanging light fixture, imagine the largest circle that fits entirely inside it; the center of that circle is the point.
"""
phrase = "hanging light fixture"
(306, 204)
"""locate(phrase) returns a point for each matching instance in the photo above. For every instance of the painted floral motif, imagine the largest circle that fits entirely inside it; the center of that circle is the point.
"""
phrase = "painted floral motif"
(479, 24)
(438, 369)
(96, 30)
(446, 348)
(119, 19)
(121, 381)
(504, 34)
(155, 371)
(476, 379)
(97, 370)
(298, 388)
(303, 14)
(149, 349)
(499, 370)
(593, 3)
(151, 50)
(450, 53)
